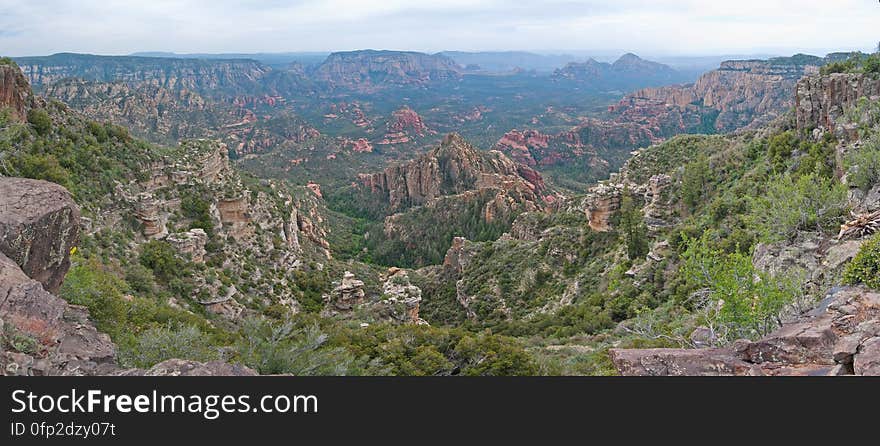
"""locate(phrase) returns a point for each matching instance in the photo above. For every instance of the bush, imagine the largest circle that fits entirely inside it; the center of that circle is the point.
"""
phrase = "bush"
(865, 266)
(42, 167)
(170, 341)
(40, 120)
(160, 257)
(872, 64)
(812, 202)
(632, 227)
(278, 347)
(864, 165)
(743, 302)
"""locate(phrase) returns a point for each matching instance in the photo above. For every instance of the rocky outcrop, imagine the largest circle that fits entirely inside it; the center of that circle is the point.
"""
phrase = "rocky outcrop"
(181, 367)
(839, 337)
(190, 244)
(821, 100)
(400, 298)
(404, 126)
(815, 261)
(600, 203)
(15, 92)
(346, 296)
(369, 70)
(39, 224)
(452, 168)
(739, 94)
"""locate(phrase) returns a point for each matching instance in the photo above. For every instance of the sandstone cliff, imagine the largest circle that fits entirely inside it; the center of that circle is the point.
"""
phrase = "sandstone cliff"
(452, 168)
(738, 94)
(820, 101)
(203, 76)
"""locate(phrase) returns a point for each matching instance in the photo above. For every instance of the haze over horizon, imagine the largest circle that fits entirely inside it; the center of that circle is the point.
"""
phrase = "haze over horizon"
(684, 27)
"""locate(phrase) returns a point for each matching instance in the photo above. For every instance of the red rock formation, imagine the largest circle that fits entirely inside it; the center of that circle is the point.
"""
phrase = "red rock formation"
(15, 92)
(452, 168)
(405, 124)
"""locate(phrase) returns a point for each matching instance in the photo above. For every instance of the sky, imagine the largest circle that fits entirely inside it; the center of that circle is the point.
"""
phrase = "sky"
(660, 27)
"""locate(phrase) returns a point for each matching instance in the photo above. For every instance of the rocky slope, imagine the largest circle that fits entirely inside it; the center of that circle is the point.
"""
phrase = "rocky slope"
(41, 333)
(452, 168)
(165, 116)
(199, 75)
(738, 94)
(839, 336)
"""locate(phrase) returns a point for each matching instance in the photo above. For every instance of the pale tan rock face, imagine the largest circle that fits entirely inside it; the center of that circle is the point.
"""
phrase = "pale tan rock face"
(740, 93)
(821, 100)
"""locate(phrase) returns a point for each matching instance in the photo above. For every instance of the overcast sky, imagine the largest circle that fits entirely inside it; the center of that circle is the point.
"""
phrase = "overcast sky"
(688, 27)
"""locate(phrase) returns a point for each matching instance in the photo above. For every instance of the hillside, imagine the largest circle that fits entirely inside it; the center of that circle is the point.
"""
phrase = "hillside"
(171, 261)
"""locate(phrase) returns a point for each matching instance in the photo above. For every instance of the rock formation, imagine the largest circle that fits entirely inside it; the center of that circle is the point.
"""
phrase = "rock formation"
(404, 126)
(839, 337)
(347, 295)
(15, 93)
(401, 298)
(452, 168)
(739, 94)
(190, 243)
(39, 223)
(820, 101)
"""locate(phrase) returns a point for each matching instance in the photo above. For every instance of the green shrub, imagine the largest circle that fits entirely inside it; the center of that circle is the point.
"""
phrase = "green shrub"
(865, 266)
(160, 257)
(864, 165)
(167, 342)
(743, 302)
(779, 149)
(632, 227)
(40, 120)
(845, 66)
(42, 167)
(278, 347)
(811, 202)
(871, 64)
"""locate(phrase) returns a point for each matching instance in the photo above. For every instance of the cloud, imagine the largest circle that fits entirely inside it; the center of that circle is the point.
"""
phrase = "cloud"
(684, 26)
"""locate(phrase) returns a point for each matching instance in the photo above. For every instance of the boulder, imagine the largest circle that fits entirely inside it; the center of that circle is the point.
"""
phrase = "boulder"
(39, 224)
(680, 362)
